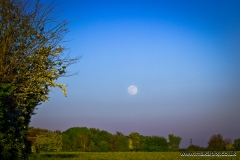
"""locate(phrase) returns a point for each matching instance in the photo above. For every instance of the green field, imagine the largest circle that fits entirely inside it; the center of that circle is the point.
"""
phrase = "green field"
(125, 156)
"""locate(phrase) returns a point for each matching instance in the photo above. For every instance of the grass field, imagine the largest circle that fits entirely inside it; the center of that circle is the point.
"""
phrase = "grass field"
(125, 156)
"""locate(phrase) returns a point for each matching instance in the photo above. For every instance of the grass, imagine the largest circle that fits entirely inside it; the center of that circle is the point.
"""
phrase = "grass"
(125, 156)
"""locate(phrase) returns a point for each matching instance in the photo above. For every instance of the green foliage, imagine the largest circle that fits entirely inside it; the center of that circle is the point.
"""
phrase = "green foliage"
(84, 141)
(74, 131)
(229, 147)
(216, 142)
(120, 143)
(156, 144)
(29, 67)
(66, 142)
(105, 136)
(93, 147)
(174, 142)
(134, 141)
(6, 89)
(77, 139)
(33, 132)
(101, 135)
(103, 146)
(236, 144)
(49, 141)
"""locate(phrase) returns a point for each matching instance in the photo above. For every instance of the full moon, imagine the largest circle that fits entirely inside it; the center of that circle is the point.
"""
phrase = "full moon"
(132, 90)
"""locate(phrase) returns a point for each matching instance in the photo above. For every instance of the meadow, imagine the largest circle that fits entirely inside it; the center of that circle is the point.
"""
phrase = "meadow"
(125, 156)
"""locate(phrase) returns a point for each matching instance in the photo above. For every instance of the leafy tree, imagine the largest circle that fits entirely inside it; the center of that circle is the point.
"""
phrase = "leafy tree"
(67, 146)
(103, 146)
(134, 141)
(216, 142)
(76, 138)
(143, 145)
(93, 147)
(236, 144)
(94, 130)
(156, 144)
(174, 142)
(105, 136)
(228, 144)
(120, 142)
(101, 135)
(33, 132)
(84, 141)
(57, 131)
(49, 141)
(31, 61)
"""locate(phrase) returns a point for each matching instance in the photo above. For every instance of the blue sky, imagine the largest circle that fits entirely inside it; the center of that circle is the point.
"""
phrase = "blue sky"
(183, 56)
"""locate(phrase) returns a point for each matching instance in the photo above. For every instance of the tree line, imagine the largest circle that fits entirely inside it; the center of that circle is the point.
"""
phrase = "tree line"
(85, 139)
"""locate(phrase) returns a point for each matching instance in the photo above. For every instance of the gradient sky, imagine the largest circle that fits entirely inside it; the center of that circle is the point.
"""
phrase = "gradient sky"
(183, 56)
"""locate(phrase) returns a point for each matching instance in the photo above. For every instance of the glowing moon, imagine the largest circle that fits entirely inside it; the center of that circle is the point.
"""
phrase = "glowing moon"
(132, 90)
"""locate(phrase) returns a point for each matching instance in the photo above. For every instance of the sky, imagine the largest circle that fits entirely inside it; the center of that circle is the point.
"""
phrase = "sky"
(182, 55)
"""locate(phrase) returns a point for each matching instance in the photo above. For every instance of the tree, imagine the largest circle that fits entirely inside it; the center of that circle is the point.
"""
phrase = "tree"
(156, 144)
(105, 136)
(93, 147)
(134, 141)
(119, 142)
(216, 142)
(66, 142)
(84, 141)
(33, 132)
(236, 144)
(103, 146)
(77, 138)
(49, 141)
(228, 144)
(174, 142)
(31, 61)
(143, 145)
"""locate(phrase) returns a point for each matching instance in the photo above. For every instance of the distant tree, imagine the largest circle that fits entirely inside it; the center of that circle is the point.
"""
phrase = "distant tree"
(94, 130)
(74, 138)
(103, 146)
(33, 132)
(156, 144)
(105, 136)
(119, 133)
(229, 147)
(119, 143)
(174, 142)
(134, 141)
(228, 144)
(49, 141)
(142, 146)
(236, 144)
(84, 141)
(57, 131)
(216, 142)
(93, 147)
(67, 146)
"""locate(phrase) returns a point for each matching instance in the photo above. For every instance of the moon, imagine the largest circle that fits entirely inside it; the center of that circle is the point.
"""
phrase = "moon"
(132, 90)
